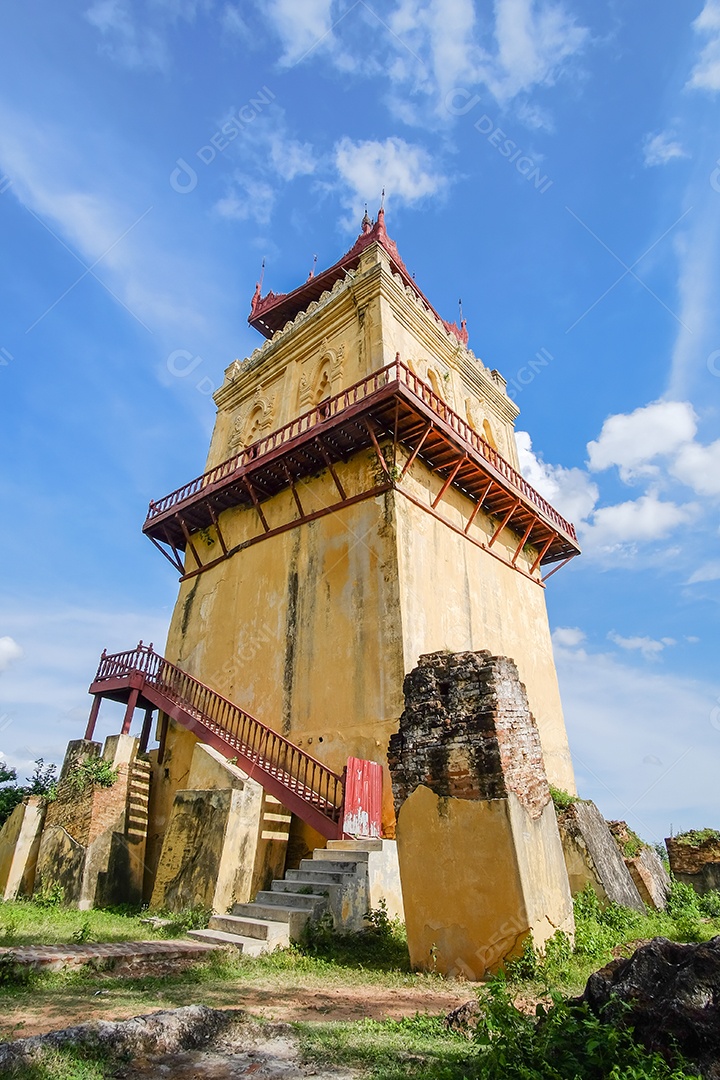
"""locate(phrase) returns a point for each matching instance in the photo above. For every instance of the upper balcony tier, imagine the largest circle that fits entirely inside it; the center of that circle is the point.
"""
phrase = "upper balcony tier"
(391, 403)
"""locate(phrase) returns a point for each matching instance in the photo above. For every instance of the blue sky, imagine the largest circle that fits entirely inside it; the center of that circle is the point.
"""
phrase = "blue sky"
(556, 165)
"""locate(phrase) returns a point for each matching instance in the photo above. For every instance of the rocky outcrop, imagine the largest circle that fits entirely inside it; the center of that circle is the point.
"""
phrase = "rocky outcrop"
(651, 878)
(697, 864)
(155, 1033)
(669, 994)
(593, 857)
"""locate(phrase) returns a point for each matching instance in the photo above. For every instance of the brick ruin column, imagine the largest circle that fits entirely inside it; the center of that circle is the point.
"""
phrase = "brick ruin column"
(481, 862)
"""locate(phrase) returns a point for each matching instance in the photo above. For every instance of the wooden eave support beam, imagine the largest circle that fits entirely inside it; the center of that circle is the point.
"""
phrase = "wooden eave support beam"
(523, 542)
(504, 522)
(256, 504)
(449, 479)
(291, 482)
(559, 566)
(176, 562)
(321, 447)
(478, 507)
(216, 523)
(189, 542)
(418, 448)
(542, 553)
(378, 451)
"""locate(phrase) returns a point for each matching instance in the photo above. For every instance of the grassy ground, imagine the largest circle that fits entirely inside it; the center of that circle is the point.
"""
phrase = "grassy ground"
(26, 922)
(360, 974)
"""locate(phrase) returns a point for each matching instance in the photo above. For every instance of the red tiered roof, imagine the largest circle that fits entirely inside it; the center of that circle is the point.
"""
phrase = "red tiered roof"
(271, 312)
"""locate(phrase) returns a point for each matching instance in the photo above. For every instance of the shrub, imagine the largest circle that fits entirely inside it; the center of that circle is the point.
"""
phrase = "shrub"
(94, 770)
(562, 800)
(696, 837)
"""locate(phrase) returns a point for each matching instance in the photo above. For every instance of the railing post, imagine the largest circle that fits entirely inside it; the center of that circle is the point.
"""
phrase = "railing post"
(92, 719)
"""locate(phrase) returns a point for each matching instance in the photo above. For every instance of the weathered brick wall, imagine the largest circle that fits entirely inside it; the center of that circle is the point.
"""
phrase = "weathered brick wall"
(689, 858)
(73, 811)
(467, 732)
(87, 814)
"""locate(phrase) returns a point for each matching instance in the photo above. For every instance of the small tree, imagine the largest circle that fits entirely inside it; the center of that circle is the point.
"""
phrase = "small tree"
(42, 782)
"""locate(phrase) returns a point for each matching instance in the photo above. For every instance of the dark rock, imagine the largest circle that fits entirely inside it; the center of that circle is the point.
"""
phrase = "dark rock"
(160, 1032)
(464, 1018)
(670, 994)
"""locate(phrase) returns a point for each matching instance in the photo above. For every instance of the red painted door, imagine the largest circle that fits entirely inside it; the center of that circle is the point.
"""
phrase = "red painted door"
(363, 799)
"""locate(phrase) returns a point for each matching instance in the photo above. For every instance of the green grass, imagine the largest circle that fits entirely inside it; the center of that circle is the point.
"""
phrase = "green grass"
(566, 1042)
(66, 1064)
(28, 922)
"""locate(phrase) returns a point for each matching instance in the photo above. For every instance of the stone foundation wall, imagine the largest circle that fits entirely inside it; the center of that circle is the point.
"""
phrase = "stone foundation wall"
(697, 865)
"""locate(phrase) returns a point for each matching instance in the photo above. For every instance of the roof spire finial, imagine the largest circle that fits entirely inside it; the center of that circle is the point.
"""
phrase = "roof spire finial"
(464, 336)
(312, 272)
(258, 290)
(380, 224)
(366, 224)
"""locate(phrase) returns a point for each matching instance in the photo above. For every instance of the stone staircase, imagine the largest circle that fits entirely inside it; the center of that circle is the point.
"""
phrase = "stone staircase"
(334, 880)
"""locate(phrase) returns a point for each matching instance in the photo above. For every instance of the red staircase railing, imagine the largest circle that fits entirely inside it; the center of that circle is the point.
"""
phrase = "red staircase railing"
(303, 784)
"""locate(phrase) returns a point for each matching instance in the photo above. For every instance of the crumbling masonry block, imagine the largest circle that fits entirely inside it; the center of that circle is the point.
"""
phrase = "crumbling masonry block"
(481, 861)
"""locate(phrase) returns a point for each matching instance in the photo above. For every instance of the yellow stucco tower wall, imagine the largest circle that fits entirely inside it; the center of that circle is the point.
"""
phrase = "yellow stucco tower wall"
(313, 629)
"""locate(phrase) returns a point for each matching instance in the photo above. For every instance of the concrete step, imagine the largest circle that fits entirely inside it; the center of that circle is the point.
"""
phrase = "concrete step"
(308, 871)
(247, 946)
(306, 888)
(253, 926)
(303, 901)
(339, 865)
(293, 918)
(355, 845)
(340, 855)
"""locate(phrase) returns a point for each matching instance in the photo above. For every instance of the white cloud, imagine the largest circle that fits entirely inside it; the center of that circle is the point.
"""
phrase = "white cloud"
(699, 467)
(623, 717)
(302, 26)
(661, 148)
(632, 440)
(570, 491)
(248, 198)
(533, 42)
(123, 40)
(706, 73)
(232, 22)
(709, 571)
(407, 172)
(568, 637)
(291, 158)
(648, 647)
(10, 651)
(634, 522)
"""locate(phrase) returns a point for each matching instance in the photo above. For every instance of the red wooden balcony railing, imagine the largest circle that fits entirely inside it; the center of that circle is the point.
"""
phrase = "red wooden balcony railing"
(142, 677)
(396, 375)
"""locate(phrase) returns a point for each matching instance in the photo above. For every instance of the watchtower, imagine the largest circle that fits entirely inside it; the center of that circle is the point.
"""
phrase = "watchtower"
(361, 505)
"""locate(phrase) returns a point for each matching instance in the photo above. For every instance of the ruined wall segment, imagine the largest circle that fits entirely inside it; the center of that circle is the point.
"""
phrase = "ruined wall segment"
(473, 803)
